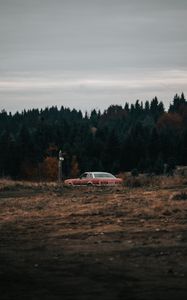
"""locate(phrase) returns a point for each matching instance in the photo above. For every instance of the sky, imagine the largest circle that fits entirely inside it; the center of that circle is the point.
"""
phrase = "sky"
(87, 54)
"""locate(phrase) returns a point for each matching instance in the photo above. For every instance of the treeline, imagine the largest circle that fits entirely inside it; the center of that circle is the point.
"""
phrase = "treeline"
(137, 136)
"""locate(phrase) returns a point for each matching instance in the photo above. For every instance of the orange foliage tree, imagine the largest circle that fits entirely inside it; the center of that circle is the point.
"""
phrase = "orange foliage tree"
(74, 167)
(170, 121)
(29, 171)
(49, 168)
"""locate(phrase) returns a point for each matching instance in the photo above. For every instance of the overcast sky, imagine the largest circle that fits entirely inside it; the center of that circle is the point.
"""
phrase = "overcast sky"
(88, 54)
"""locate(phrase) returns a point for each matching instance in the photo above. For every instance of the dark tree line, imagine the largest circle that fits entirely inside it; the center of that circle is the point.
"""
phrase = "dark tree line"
(141, 136)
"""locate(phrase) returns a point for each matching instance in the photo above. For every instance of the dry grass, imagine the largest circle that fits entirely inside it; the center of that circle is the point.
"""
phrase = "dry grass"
(153, 200)
(141, 181)
(153, 181)
(12, 185)
(70, 235)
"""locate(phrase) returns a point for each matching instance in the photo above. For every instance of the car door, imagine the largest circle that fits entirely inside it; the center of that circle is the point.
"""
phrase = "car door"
(83, 179)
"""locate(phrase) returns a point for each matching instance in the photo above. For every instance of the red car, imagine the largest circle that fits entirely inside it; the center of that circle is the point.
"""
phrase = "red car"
(94, 178)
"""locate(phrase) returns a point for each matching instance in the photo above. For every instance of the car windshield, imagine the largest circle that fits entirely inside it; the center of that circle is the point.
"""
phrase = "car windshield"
(103, 175)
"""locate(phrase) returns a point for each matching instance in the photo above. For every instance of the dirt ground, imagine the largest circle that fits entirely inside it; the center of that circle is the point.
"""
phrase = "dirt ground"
(93, 243)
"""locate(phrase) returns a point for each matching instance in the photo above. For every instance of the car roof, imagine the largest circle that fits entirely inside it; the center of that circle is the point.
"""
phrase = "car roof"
(98, 172)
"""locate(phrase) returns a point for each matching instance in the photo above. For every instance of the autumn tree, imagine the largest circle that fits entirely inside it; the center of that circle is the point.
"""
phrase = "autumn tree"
(49, 168)
(74, 167)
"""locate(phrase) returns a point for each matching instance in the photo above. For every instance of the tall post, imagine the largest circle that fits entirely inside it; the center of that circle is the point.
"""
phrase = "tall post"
(60, 160)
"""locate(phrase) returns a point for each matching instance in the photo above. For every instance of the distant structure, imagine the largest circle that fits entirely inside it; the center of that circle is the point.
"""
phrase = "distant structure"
(181, 171)
(60, 160)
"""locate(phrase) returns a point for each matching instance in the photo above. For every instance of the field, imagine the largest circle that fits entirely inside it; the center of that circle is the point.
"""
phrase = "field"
(127, 242)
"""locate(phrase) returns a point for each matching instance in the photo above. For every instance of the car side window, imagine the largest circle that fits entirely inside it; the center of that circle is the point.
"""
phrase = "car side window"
(89, 175)
(84, 175)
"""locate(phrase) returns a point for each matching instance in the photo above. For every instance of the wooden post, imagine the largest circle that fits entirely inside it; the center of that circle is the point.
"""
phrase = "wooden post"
(60, 160)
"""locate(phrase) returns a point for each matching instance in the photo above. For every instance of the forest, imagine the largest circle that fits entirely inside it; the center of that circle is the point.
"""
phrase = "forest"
(141, 136)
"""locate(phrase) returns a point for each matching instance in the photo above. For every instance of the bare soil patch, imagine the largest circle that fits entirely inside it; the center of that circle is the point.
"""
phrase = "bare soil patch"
(93, 243)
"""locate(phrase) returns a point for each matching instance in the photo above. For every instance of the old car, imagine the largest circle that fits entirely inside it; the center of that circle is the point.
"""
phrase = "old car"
(94, 178)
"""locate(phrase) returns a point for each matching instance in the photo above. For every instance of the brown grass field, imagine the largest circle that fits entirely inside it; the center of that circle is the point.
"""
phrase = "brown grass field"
(85, 243)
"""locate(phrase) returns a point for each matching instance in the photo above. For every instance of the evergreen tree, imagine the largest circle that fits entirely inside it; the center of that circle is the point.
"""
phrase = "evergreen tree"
(136, 136)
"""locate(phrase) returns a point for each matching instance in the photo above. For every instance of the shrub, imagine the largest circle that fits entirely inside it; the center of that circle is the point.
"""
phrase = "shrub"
(134, 173)
(180, 196)
(141, 181)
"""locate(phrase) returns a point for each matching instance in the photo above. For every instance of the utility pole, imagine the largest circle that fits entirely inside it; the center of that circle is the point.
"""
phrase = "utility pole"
(60, 160)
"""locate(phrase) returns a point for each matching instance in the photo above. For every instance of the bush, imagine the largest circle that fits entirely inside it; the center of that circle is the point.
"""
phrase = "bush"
(134, 173)
(180, 196)
(141, 181)
(151, 180)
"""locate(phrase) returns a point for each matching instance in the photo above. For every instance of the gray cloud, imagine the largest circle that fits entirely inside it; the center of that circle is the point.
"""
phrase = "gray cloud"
(59, 41)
